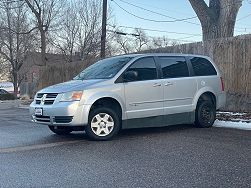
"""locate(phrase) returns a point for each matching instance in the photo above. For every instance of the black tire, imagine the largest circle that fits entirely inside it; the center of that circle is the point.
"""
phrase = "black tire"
(60, 130)
(113, 119)
(205, 114)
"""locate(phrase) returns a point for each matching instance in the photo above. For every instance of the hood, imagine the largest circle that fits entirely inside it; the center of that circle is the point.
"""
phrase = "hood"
(70, 86)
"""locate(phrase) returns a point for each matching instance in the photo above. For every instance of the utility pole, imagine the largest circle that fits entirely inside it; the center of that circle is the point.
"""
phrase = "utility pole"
(103, 35)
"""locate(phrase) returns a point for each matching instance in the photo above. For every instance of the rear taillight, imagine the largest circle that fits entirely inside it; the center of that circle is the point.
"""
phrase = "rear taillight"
(222, 84)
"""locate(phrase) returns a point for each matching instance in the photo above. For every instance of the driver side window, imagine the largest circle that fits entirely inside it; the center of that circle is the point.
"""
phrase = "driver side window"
(146, 69)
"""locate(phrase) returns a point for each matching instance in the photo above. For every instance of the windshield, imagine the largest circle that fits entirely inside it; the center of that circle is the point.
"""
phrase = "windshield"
(103, 69)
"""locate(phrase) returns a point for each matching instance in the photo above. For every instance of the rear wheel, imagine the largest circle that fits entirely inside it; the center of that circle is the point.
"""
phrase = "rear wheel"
(103, 124)
(60, 130)
(205, 114)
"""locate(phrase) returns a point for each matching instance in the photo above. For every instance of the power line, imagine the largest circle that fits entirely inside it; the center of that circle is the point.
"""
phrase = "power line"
(137, 35)
(175, 19)
(155, 30)
(124, 33)
(189, 18)
(163, 9)
(190, 35)
(243, 17)
(244, 28)
(152, 20)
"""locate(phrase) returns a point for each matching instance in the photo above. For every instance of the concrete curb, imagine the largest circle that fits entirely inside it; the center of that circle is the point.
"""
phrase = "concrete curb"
(12, 104)
(9, 104)
(23, 106)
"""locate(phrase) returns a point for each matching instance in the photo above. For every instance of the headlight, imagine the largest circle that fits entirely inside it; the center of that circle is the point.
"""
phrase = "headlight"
(71, 96)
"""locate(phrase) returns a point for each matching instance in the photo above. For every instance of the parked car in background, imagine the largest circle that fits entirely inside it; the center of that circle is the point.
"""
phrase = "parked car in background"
(132, 91)
(2, 91)
(9, 87)
(5, 95)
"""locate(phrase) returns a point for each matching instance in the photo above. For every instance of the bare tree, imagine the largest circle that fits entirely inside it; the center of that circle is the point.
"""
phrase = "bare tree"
(141, 41)
(123, 43)
(15, 38)
(131, 42)
(218, 18)
(89, 35)
(65, 38)
(80, 29)
(159, 42)
(4, 69)
(45, 12)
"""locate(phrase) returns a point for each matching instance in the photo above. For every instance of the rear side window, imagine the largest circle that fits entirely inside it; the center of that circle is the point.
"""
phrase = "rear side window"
(174, 67)
(202, 67)
(146, 69)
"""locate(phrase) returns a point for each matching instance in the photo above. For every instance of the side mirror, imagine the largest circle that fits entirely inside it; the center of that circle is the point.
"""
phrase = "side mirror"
(130, 76)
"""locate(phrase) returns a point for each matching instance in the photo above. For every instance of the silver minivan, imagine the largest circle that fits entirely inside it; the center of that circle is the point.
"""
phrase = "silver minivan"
(132, 91)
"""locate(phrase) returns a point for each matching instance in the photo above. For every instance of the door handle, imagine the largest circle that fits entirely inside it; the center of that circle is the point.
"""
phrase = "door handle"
(156, 85)
(168, 84)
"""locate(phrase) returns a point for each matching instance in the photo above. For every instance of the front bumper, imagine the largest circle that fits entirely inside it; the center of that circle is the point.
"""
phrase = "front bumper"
(61, 114)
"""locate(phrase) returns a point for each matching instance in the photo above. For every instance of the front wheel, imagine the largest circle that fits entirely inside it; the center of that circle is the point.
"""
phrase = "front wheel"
(103, 124)
(60, 130)
(205, 114)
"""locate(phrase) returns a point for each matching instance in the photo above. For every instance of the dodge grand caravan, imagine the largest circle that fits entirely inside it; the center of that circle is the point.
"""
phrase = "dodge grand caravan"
(129, 91)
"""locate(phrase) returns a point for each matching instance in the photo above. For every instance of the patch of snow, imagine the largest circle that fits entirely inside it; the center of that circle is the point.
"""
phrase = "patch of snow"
(232, 113)
(241, 120)
(234, 125)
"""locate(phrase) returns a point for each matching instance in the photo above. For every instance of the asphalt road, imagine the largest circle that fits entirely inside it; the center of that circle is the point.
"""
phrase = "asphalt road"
(176, 156)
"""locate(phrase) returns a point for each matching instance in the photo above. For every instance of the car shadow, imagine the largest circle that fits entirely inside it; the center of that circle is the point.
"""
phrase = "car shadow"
(156, 130)
(81, 136)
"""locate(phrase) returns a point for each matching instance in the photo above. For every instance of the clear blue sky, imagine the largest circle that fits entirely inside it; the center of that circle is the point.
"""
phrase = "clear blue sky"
(178, 9)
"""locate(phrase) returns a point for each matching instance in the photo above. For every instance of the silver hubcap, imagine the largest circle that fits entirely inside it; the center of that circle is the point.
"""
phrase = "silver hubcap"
(102, 124)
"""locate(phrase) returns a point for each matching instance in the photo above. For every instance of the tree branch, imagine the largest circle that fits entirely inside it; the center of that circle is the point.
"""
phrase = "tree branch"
(201, 9)
(32, 7)
(18, 33)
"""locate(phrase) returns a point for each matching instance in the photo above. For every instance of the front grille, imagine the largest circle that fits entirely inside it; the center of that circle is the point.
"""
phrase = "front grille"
(63, 119)
(48, 102)
(51, 95)
(42, 118)
(49, 98)
(56, 119)
(40, 95)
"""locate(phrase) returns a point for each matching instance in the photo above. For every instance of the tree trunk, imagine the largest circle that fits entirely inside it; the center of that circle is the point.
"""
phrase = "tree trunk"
(218, 19)
(43, 47)
(14, 73)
